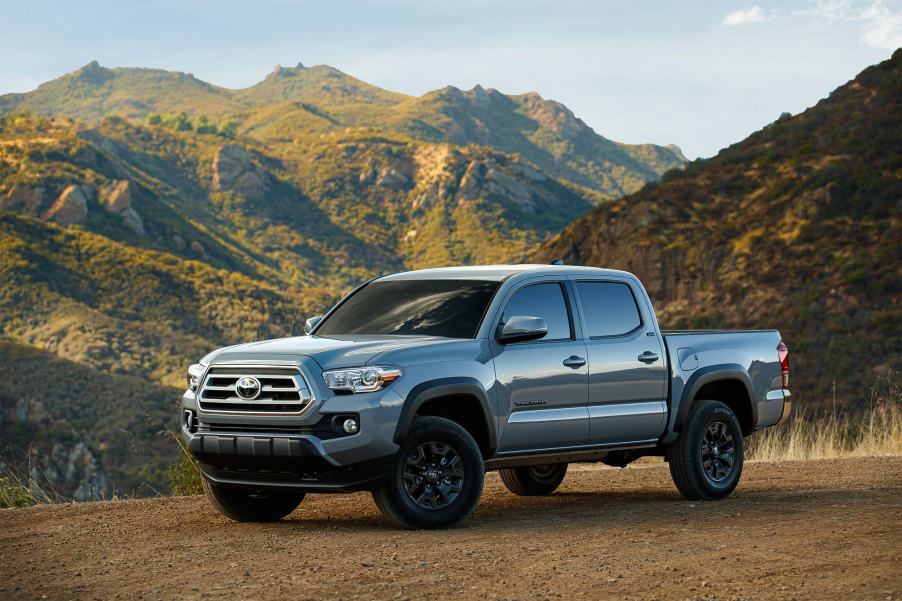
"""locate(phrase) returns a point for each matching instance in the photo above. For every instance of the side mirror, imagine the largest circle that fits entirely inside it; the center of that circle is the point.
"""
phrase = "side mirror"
(520, 329)
(311, 323)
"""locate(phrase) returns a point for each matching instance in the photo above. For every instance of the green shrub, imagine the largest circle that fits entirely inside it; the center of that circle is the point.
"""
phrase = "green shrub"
(13, 494)
(184, 477)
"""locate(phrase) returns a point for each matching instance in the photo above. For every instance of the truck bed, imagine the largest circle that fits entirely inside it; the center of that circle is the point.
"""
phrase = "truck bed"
(749, 356)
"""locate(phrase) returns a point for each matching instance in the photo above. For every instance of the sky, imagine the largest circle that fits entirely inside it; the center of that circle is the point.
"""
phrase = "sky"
(700, 74)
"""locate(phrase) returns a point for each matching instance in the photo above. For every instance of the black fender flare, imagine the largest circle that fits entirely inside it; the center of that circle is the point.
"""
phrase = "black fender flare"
(433, 389)
(707, 375)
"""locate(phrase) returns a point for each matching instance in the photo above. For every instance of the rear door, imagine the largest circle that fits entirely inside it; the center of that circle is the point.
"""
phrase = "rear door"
(627, 375)
(543, 384)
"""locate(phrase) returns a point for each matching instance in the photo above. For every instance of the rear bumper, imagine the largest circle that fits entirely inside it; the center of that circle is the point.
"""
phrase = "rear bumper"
(787, 407)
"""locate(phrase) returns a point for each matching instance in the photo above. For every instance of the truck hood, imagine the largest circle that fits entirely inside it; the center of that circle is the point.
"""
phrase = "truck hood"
(330, 353)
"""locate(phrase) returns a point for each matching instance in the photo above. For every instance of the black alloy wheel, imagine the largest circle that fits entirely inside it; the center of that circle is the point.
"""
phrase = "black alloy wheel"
(706, 459)
(433, 475)
(435, 479)
(718, 452)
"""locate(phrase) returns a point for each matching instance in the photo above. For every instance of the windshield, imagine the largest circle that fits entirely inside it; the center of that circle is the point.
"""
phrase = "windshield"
(450, 308)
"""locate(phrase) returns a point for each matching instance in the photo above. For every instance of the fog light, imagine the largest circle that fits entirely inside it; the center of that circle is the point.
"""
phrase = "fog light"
(350, 426)
(189, 421)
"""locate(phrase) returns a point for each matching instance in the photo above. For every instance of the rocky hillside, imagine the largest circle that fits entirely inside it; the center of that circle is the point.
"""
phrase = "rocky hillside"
(293, 103)
(798, 227)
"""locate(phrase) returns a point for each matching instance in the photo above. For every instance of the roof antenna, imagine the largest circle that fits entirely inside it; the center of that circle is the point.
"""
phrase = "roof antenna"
(557, 262)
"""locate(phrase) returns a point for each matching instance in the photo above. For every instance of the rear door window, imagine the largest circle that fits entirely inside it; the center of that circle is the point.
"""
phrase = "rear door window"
(609, 308)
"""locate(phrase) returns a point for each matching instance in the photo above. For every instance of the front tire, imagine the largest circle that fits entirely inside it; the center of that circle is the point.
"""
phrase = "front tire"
(246, 506)
(706, 460)
(437, 477)
(534, 479)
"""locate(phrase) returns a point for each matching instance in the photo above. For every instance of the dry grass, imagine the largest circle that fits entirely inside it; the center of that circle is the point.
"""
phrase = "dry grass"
(22, 482)
(873, 430)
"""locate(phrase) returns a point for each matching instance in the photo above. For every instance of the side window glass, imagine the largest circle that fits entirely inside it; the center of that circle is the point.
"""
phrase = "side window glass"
(545, 301)
(609, 308)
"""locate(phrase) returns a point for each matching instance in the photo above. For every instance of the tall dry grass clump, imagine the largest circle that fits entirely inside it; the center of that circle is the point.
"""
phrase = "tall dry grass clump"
(872, 429)
(22, 482)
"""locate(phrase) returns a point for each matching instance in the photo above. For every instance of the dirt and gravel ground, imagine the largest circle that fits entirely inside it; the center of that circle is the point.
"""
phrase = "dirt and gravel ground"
(798, 530)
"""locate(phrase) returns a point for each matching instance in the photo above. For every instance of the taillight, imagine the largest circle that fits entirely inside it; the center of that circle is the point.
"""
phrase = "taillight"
(783, 355)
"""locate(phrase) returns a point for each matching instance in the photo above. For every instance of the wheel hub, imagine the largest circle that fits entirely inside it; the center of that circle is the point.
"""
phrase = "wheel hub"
(718, 452)
(433, 475)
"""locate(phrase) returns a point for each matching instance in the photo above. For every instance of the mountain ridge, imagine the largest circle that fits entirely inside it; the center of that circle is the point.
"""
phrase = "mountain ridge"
(302, 101)
(799, 227)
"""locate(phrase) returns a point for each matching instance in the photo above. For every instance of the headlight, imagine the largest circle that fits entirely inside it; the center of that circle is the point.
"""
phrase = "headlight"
(195, 373)
(361, 379)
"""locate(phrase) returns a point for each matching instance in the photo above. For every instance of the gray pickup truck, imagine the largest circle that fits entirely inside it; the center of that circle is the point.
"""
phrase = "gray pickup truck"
(415, 384)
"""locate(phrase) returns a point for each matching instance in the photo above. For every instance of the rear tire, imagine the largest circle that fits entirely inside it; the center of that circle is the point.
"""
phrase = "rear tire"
(534, 480)
(437, 477)
(706, 460)
(245, 506)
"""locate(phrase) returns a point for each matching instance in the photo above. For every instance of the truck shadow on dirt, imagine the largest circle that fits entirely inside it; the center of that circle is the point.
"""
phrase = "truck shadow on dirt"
(601, 508)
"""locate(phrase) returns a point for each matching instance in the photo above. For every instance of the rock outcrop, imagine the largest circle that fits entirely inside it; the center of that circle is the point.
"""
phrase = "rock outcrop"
(23, 198)
(67, 467)
(75, 469)
(485, 178)
(71, 206)
(392, 179)
(117, 199)
(118, 196)
(234, 170)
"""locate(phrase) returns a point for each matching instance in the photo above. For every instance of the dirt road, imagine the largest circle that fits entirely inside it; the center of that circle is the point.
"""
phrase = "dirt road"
(800, 530)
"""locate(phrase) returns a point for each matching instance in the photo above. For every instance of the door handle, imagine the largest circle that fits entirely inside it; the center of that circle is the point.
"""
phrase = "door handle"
(574, 362)
(648, 357)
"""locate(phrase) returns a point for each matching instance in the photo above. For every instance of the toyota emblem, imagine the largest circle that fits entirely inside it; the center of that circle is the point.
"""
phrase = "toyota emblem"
(248, 388)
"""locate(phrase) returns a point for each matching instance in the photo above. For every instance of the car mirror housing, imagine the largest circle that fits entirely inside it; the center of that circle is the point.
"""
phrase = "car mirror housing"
(521, 328)
(311, 323)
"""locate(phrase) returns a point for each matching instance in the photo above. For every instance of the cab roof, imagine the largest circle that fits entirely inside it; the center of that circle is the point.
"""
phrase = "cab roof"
(498, 272)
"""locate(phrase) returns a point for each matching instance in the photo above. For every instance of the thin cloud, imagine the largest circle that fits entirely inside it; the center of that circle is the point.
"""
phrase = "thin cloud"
(883, 28)
(746, 16)
(832, 10)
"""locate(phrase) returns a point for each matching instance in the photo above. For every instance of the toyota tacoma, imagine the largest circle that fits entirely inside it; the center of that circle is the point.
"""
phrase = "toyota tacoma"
(415, 384)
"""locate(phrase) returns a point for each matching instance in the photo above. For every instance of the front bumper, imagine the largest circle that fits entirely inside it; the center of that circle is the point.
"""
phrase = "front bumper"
(278, 463)
(296, 451)
(262, 461)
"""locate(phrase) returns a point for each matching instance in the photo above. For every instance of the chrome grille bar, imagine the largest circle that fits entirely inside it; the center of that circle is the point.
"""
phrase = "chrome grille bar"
(282, 390)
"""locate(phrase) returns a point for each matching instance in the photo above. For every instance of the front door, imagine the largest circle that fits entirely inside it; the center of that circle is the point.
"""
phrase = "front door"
(627, 375)
(543, 383)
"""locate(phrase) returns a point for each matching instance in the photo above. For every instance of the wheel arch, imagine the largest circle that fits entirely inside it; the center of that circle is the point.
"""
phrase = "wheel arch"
(462, 400)
(727, 383)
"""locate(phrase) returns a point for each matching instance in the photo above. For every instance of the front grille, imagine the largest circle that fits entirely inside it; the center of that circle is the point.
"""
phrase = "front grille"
(282, 390)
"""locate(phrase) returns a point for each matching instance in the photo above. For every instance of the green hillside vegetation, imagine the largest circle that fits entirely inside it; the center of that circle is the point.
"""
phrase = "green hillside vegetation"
(293, 103)
(122, 309)
(85, 428)
(798, 227)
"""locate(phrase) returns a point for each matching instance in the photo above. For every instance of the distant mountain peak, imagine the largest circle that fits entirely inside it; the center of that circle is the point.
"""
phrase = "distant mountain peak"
(677, 151)
(300, 101)
(280, 71)
(92, 73)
